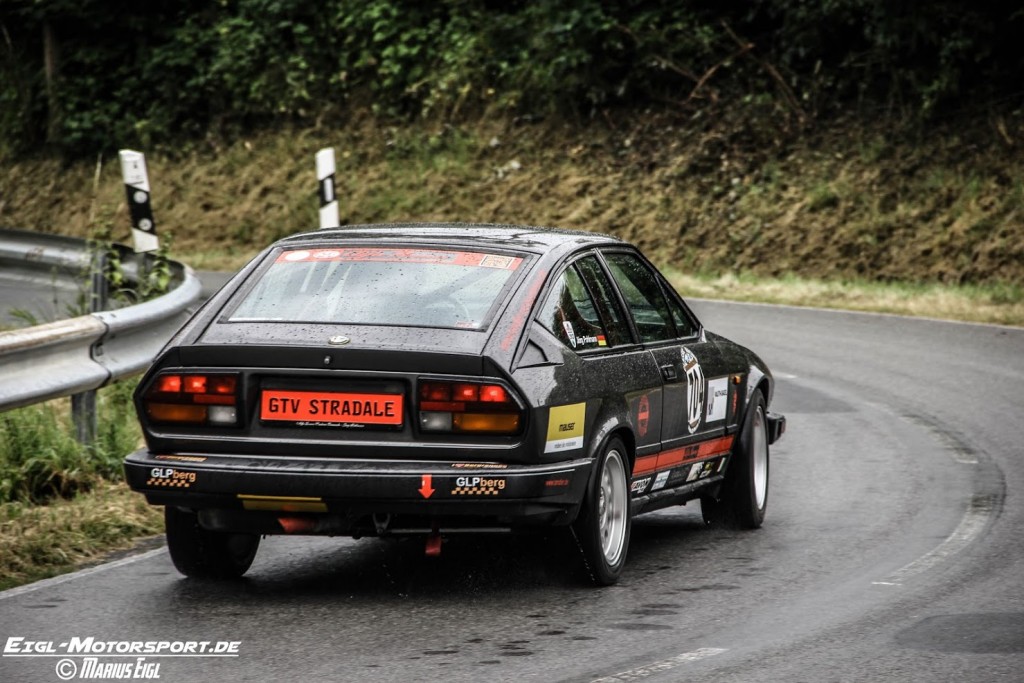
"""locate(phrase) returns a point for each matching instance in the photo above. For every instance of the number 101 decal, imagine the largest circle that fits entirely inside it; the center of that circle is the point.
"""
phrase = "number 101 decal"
(694, 389)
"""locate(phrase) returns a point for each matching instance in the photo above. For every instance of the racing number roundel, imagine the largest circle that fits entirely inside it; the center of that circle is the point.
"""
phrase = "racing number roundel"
(694, 389)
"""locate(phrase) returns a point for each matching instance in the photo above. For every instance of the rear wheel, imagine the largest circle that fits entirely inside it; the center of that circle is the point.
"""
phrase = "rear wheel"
(200, 553)
(604, 522)
(743, 496)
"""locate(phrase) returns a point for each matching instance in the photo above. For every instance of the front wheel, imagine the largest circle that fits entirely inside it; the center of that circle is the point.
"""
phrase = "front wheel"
(743, 497)
(201, 553)
(603, 525)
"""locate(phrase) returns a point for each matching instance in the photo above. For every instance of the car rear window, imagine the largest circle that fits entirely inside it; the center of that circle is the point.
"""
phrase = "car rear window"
(372, 286)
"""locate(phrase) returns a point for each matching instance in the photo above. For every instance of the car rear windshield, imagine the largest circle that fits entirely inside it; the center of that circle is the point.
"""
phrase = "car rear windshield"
(372, 286)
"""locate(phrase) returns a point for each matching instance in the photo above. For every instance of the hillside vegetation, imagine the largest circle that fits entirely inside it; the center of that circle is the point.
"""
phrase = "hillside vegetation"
(845, 139)
(842, 200)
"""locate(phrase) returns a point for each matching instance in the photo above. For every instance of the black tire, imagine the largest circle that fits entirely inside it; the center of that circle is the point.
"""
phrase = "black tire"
(604, 522)
(200, 553)
(743, 497)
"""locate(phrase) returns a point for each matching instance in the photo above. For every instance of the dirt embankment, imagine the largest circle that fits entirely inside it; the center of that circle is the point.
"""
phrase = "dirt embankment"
(834, 200)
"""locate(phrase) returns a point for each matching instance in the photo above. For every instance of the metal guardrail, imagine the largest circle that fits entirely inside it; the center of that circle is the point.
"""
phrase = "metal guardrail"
(84, 353)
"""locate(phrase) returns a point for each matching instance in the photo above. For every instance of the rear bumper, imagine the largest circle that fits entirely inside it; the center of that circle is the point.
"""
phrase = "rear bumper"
(341, 492)
(776, 426)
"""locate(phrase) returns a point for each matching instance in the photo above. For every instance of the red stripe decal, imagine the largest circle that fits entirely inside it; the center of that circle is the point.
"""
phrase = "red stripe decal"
(431, 256)
(677, 456)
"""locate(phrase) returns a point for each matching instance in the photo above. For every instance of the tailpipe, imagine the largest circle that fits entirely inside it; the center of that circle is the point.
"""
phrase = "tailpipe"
(433, 548)
(297, 525)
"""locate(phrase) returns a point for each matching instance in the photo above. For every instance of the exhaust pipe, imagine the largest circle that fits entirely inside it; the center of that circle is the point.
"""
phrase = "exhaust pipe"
(297, 525)
(381, 523)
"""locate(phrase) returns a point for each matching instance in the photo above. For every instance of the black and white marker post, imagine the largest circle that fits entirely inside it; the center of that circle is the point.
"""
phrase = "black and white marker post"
(136, 187)
(325, 170)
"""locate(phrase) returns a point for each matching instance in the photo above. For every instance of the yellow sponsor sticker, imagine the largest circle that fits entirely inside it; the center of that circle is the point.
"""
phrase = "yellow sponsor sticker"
(282, 503)
(565, 428)
(182, 458)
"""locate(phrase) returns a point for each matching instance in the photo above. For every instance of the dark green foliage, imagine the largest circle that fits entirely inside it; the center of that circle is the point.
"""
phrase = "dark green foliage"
(917, 55)
(129, 73)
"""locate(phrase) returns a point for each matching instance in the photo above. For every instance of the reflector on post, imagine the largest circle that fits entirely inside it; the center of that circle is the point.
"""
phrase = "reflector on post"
(325, 170)
(136, 187)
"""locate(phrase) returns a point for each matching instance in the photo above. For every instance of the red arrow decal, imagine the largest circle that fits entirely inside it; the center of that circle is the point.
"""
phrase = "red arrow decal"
(426, 489)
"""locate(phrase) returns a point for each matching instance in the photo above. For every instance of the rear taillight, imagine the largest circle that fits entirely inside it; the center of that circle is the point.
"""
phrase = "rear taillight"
(468, 407)
(198, 398)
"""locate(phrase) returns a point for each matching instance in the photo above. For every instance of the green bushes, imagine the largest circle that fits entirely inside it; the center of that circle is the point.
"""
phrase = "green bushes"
(98, 74)
(40, 458)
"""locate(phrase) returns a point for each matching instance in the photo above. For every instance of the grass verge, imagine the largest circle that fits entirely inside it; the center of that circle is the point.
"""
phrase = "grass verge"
(992, 304)
(41, 459)
(62, 503)
(39, 541)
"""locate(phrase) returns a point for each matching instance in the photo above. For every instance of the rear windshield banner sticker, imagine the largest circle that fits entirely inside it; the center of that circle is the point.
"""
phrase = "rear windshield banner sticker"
(565, 428)
(430, 256)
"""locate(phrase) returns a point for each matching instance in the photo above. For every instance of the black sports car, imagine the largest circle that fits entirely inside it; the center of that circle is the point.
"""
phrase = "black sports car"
(430, 377)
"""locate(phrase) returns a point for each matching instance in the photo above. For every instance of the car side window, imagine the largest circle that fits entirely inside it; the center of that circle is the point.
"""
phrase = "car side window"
(569, 313)
(643, 295)
(607, 303)
(685, 325)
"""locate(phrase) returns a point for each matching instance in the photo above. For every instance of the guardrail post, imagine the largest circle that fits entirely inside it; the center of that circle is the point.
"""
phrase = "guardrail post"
(83, 414)
(83, 405)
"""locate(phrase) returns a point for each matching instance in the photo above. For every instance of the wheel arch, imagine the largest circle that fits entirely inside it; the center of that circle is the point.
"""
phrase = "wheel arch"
(758, 379)
(765, 388)
(611, 429)
(625, 434)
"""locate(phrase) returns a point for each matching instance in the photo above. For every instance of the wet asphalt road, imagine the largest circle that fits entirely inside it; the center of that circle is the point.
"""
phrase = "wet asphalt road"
(892, 550)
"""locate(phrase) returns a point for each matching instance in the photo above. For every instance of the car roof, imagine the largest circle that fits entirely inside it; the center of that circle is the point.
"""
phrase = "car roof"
(521, 237)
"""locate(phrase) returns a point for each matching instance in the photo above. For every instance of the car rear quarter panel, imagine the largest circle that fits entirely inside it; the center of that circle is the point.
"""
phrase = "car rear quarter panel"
(744, 360)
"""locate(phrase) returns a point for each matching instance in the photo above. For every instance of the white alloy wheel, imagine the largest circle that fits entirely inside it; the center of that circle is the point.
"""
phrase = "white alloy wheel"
(613, 507)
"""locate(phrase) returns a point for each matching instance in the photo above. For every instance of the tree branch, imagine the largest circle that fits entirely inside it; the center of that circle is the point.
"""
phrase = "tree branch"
(780, 82)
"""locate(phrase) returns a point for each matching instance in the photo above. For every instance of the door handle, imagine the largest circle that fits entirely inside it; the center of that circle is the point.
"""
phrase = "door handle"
(669, 373)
